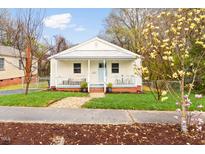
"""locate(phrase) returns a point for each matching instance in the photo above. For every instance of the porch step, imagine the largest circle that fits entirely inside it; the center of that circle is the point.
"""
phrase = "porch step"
(97, 85)
(96, 90)
(97, 95)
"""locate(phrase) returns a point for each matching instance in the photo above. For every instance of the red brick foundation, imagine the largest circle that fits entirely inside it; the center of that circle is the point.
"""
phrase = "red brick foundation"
(98, 90)
(14, 81)
(11, 81)
(126, 89)
(67, 89)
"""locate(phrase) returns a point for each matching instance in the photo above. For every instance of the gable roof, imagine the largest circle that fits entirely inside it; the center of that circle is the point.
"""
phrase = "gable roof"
(9, 51)
(106, 50)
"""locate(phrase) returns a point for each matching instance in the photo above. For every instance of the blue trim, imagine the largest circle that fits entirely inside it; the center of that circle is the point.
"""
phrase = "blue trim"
(124, 85)
(68, 86)
(97, 85)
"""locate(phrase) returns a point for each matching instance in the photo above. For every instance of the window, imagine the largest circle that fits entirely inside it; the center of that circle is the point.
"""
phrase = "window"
(115, 67)
(1, 63)
(101, 65)
(77, 68)
(20, 65)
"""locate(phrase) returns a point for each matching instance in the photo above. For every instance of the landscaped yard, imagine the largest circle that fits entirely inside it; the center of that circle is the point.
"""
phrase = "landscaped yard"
(36, 99)
(138, 101)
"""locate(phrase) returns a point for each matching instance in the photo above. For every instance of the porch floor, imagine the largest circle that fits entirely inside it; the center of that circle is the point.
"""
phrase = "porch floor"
(99, 85)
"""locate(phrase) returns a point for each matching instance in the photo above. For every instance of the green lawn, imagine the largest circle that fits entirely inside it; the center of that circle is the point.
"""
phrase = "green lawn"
(137, 101)
(35, 99)
(41, 85)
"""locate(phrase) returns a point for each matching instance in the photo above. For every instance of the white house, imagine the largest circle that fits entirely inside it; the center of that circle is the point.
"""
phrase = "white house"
(97, 62)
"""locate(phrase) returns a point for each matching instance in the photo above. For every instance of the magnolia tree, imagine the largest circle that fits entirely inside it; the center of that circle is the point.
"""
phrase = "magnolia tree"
(169, 39)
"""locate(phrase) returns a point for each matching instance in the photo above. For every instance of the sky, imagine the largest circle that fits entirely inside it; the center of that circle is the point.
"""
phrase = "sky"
(76, 25)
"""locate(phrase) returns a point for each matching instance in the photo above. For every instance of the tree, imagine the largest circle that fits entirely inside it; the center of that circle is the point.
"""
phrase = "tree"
(168, 43)
(27, 32)
(124, 27)
(61, 44)
(6, 28)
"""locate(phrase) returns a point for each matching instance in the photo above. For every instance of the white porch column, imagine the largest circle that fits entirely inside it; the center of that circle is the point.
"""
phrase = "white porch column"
(56, 73)
(104, 75)
(88, 75)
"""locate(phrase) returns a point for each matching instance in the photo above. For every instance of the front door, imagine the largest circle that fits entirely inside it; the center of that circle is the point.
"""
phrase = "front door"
(101, 68)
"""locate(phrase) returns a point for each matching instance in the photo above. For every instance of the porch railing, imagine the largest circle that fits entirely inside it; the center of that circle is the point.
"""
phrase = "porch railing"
(124, 80)
(66, 81)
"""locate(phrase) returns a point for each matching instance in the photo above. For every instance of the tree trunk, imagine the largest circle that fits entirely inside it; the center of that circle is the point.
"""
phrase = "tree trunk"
(183, 115)
(28, 68)
(27, 87)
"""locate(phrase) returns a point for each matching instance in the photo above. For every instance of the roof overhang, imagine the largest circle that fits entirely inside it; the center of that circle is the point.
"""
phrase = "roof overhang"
(115, 53)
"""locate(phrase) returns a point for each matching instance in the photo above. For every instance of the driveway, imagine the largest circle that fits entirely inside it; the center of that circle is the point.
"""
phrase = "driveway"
(16, 91)
(85, 116)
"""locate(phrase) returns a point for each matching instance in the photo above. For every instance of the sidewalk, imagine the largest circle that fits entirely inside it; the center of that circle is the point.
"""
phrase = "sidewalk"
(84, 116)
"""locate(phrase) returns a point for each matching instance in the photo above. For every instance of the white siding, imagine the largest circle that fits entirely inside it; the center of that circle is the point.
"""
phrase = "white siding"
(65, 70)
(95, 45)
(11, 68)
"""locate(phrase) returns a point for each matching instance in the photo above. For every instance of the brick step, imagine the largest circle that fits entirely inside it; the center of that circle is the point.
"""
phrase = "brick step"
(96, 90)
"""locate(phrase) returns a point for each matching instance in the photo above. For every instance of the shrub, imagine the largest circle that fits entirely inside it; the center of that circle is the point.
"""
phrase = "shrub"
(109, 85)
(83, 84)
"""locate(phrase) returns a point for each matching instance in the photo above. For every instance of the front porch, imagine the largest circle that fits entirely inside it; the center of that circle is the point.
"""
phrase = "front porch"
(96, 72)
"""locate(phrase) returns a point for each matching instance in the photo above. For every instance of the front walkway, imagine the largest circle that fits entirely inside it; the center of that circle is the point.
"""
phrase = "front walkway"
(84, 116)
(75, 102)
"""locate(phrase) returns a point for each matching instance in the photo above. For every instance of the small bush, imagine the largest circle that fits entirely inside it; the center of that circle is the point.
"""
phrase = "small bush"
(109, 85)
(83, 84)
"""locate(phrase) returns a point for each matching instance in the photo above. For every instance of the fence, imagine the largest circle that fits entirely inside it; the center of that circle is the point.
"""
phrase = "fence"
(37, 83)
(162, 85)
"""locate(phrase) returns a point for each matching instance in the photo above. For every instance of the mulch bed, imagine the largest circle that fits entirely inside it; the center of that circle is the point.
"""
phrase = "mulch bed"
(19, 133)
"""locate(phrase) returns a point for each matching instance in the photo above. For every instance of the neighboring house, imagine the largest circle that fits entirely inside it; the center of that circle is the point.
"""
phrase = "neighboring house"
(11, 70)
(97, 62)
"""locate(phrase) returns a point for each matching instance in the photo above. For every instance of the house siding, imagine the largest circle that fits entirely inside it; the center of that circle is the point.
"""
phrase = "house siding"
(97, 51)
(11, 74)
(64, 70)
(11, 68)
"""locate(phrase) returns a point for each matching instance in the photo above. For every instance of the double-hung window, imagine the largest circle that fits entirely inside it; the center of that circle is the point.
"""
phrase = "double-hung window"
(115, 67)
(1, 64)
(77, 67)
(20, 65)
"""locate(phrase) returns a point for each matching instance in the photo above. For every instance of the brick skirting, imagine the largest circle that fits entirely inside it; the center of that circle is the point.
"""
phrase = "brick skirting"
(96, 90)
(14, 81)
(114, 89)
(67, 89)
(126, 89)
(11, 81)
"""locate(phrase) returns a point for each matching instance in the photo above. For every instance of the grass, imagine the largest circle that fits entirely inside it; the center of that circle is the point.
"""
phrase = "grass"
(42, 85)
(11, 87)
(138, 102)
(36, 99)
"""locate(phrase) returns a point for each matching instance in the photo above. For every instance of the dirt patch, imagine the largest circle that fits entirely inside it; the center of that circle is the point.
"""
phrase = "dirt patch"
(19, 133)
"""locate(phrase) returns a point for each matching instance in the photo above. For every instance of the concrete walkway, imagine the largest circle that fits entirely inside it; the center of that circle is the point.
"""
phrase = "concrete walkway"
(84, 116)
(75, 102)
